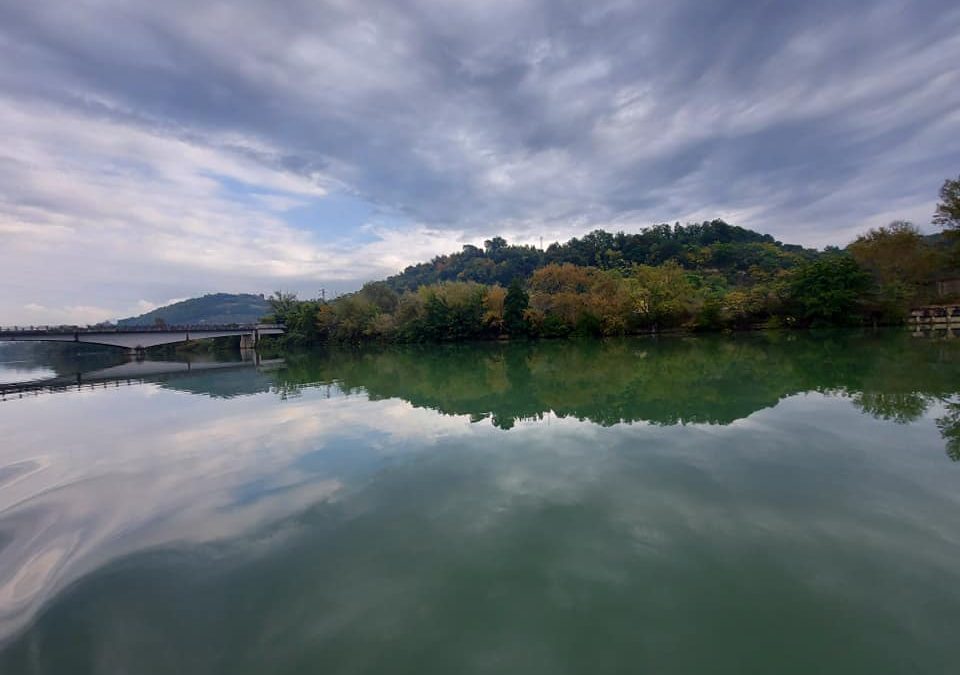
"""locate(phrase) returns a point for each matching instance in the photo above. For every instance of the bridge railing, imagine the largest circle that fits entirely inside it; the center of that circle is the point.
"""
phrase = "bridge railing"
(931, 314)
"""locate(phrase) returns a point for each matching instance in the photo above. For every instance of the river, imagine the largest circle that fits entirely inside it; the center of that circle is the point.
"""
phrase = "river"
(756, 503)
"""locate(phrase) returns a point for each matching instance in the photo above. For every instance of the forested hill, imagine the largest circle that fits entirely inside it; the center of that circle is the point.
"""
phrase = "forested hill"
(713, 245)
(214, 308)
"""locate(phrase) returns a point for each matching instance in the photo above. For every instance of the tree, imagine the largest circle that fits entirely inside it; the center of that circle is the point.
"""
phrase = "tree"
(948, 210)
(494, 245)
(897, 252)
(900, 261)
(514, 308)
(452, 310)
(559, 295)
(949, 426)
(282, 304)
(663, 295)
(493, 306)
(828, 290)
(300, 319)
(565, 278)
(354, 313)
(382, 296)
(436, 325)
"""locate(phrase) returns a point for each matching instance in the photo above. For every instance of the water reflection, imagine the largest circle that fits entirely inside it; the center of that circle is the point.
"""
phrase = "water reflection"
(16, 365)
(58, 358)
(756, 503)
(190, 373)
(706, 379)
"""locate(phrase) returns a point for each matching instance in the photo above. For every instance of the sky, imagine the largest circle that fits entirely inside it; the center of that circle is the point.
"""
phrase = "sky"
(154, 151)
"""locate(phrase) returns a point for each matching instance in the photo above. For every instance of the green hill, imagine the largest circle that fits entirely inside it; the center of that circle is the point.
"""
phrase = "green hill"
(214, 308)
(711, 246)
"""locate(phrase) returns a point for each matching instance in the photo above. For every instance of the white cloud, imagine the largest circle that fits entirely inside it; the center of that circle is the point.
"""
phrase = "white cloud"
(145, 158)
(107, 203)
(179, 486)
(33, 314)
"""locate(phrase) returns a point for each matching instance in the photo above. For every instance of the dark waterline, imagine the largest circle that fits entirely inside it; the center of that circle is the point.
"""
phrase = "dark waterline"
(775, 503)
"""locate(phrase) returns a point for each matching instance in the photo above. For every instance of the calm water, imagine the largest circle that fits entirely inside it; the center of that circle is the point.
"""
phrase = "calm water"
(749, 504)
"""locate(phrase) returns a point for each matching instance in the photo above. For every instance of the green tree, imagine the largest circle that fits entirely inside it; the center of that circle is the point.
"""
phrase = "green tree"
(353, 314)
(298, 316)
(494, 245)
(948, 210)
(452, 310)
(281, 304)
(379, 294)
(900, 262)
(949, 426)
(663, 295)
(515, 307)
(437, 321)
(894, 253)
(300, 320)
(828, 291)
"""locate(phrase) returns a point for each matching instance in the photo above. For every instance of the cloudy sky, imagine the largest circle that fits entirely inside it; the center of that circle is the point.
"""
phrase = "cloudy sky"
(159, 150)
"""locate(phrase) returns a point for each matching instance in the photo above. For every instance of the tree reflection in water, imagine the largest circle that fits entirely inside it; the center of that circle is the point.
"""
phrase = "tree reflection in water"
(714, 379)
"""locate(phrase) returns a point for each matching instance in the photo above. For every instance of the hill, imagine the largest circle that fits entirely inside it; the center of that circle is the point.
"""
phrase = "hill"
(712, 246)
(214, 308)
(700, 276)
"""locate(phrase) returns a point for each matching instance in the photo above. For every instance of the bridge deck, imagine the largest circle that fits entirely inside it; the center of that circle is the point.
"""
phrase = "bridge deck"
(134, 337)
(194, 328)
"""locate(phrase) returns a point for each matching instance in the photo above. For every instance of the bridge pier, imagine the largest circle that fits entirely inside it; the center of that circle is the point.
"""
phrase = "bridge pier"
(250, 355)
(248, 341)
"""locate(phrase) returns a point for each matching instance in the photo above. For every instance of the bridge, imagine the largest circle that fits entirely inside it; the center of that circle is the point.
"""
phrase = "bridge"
(138, 338)
(130, 373)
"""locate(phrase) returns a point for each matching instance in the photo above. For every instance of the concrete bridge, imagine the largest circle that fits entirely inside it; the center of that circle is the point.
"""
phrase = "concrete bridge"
(138, 338)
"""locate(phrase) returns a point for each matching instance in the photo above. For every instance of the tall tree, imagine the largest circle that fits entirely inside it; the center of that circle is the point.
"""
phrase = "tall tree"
(515, 307)
(948, 210)
(493, 306)
(282, 304)
(900, 262)
(494, 245)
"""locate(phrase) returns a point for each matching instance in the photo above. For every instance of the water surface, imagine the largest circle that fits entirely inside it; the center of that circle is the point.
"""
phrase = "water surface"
(746, 504)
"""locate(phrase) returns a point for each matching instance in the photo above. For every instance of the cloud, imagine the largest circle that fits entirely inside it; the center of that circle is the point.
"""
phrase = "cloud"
(34, 314)
(185, 489)
(650, 488)
(157, 151)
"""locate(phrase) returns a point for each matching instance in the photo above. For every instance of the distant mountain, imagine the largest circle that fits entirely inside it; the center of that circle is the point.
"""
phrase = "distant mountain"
(215, 308)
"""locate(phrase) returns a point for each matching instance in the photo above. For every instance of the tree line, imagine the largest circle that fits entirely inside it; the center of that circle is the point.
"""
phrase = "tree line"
(701, 276)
